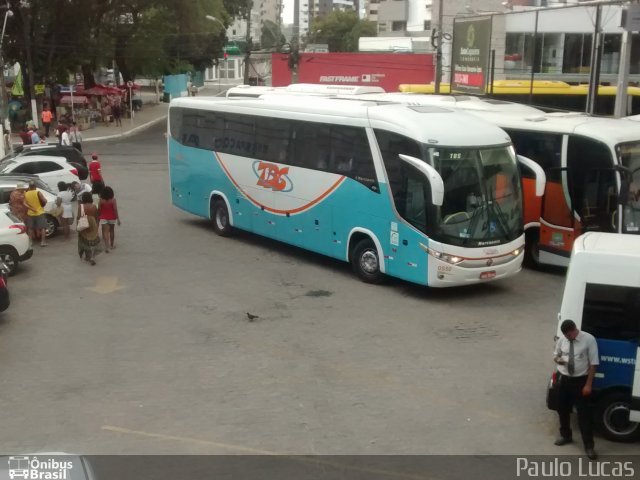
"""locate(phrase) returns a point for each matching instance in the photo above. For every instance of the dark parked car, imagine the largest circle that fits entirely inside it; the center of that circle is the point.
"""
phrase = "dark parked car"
(72, 154)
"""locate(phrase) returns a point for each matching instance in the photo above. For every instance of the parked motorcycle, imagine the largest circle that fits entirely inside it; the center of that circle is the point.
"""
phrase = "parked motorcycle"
(4, 290)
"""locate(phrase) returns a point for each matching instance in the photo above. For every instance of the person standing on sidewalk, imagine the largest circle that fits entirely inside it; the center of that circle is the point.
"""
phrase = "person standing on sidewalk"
(47, 117)
(75, 136)
(576, 355)
(34, 202)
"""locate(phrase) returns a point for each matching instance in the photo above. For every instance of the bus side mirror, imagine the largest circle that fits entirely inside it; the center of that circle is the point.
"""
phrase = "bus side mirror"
(434, 178)
(541, 178)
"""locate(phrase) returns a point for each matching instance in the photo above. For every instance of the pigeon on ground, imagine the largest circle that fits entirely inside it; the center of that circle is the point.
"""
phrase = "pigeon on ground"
(251, 317)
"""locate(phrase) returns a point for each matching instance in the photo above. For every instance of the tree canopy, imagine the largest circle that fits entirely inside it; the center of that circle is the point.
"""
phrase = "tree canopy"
(341, 31)
(54, 38)
(271, 36)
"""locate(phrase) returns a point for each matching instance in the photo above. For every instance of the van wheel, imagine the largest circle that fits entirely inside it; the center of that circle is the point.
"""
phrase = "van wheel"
(220, 218)
(612, 418)
(10, 259)
(365, 261)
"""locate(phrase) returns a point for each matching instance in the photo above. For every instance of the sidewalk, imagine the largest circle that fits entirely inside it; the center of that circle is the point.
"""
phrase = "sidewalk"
(150, 115)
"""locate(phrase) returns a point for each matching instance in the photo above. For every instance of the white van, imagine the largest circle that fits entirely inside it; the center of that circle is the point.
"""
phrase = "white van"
(602, 296)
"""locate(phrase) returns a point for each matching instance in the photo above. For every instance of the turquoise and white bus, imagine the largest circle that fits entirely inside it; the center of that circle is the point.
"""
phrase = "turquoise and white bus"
(424, 194)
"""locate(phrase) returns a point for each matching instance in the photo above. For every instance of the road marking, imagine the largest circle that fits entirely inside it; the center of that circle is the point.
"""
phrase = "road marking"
(106, 285)
(255, 451)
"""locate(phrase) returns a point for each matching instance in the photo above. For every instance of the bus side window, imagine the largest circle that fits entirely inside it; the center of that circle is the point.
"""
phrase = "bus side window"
(543, 148)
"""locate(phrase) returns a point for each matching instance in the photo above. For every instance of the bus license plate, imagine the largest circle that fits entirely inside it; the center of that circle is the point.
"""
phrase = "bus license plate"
(487, 275)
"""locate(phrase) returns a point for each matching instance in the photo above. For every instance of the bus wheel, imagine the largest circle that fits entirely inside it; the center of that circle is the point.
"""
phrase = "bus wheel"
(612, 418)
(220, 218)
(532, 250)
(365, 261)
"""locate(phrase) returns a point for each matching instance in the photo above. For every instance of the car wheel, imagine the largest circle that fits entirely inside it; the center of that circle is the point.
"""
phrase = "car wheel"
(612, 418)
(365, 261)
(10, 258)
(220, 218)
(52, 226)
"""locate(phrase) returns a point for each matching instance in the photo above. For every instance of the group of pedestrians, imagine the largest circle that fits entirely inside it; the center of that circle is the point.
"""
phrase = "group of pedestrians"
(66, 130)
(28, 203)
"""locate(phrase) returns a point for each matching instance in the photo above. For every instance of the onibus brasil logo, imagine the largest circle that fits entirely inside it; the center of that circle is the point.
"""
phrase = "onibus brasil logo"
(33, 468)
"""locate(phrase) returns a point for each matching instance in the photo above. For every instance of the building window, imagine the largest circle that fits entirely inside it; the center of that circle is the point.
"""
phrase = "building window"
(382, 27)
(373, 12)
(398, 26)
(427, 25)
(577, 53)
(611, 53)
(227, 68)
(518, 56)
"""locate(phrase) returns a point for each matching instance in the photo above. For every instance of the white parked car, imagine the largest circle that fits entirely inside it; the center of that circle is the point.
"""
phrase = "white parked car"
(15, 244)
(9, 183)
(50, 170)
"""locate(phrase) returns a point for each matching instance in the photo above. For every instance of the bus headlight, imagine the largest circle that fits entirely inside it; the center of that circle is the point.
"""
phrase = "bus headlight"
(452, 259)
(517, 252)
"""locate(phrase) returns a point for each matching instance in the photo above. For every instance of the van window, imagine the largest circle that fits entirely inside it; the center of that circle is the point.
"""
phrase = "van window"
(612, 312)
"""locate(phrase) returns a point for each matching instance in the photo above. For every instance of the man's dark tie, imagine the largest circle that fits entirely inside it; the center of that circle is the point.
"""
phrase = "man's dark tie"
(571, 366)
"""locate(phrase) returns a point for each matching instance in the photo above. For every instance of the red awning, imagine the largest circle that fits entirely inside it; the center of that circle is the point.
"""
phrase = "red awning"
(76, 99)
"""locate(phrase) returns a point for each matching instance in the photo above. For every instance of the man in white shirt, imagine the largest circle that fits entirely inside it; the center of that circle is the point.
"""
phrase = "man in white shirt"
(576, 356)
(79, 188)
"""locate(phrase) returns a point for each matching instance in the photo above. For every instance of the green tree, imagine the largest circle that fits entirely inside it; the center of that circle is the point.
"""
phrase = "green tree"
(341, 31)
(271, 36)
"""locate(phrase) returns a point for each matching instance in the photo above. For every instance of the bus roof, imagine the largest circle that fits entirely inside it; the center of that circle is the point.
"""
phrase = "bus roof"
(461, 102)
(607, 130)
(523, 117)
(427, 124)
(301, 88)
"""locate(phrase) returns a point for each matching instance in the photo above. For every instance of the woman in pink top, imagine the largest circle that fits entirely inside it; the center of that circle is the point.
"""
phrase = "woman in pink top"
(108, 215)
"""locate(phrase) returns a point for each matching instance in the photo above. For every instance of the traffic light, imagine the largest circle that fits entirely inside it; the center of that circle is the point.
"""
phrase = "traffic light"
(226, 55)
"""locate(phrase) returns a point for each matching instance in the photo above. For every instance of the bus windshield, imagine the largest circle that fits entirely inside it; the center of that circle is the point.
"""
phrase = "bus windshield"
(629, 154)
(482, 196)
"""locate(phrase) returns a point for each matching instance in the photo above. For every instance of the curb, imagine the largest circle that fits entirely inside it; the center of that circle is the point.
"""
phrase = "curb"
(134, 130)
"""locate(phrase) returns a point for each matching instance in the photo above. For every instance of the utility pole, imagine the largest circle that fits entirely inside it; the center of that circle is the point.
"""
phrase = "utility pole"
(247, 53)
(596, 60)
(440, 38)
(295, 41)
(630, 22)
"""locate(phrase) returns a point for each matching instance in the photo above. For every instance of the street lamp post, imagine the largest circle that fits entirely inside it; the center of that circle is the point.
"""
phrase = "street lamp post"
(3, 85)
(214, 19)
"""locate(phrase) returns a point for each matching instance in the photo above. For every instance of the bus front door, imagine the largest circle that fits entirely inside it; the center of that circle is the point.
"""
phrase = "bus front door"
(558, 225)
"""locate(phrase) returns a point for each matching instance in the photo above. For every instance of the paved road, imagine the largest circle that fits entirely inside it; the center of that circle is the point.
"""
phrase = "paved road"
(151, 350)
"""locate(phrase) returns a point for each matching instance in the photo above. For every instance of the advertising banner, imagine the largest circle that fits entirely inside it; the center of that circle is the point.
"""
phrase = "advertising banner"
(470, 55)
(386, 70)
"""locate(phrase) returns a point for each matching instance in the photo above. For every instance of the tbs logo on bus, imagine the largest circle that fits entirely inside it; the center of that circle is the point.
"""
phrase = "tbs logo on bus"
(273, 177)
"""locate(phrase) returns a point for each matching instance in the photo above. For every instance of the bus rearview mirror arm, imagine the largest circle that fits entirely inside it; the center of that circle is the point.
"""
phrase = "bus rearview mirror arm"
(541, 177)
(434, 178)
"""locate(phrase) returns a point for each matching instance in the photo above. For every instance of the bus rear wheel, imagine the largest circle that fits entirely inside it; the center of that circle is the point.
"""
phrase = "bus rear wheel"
(220, 218)
(365, 261)
(612, 418)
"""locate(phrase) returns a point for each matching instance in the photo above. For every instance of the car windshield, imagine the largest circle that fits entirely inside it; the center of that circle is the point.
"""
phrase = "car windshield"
(629, 155)
(482, 196)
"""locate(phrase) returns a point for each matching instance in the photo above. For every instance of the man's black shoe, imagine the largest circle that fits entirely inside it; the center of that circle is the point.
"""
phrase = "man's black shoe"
(591, 453)
(562, 441)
